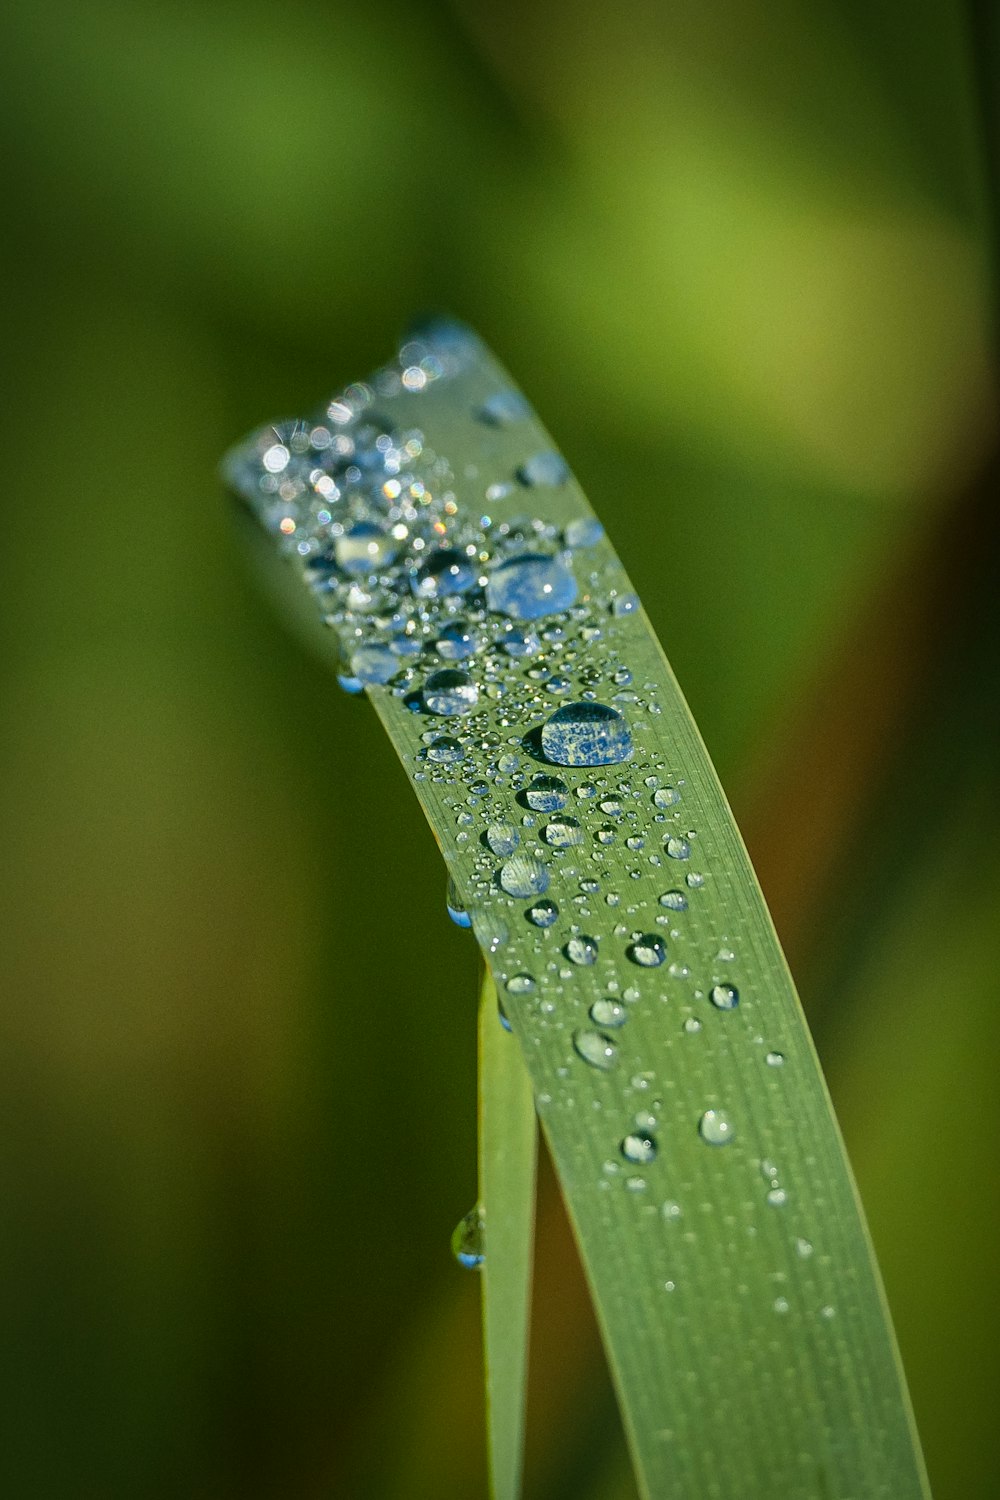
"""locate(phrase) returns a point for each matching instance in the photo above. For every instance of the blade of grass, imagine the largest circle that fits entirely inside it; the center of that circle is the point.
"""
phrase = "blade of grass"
(681, 1098)
(507, 1149)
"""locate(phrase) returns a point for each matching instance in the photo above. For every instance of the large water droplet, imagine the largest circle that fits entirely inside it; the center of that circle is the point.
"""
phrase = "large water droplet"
(563, 833)
(648, 951)
(445, 572)
(523, 877)
(503, 839)
(546, 794)
(716, 1128)
(595, 1048)
(544, 469)
(724, 996)
(530, 586)
(640, 1146)
(542, 913)
(457, 641)
(468, 1242)
(450, 692)
(374, 664)
(521, 984)
(608, 1012)
(666, 796)
(582, 949)
(674, 900)
(364, 548)
(444, 751)
(678, 848)
(586, 734)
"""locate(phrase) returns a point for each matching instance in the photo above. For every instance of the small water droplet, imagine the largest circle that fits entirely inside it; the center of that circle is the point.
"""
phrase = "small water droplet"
(364, 548)
(692, 1025)
(523, 877)
(635, 1184)
(502, 838)
(828, 1312)
(582, 950)
(666, 796)
(803, 1248)
(468, 1242)
(517, 641)
(530, 586)
(674, 900)
(457, 641)
(544, 469)
(596, 1049)
(677, 848)
(563, 833)
(777, 1197)
(546, 794)
(449, 692)
(444, 573)
(586, 531)
(455, 907)
(625, 604)
(608, 1012)
(586, 734)
(716, 1128)
(445, 751)
(521, 984)
(775, 1059)
(694, 881)
(781, 1304)
(639, 1147)
(542, 913)
(648, 951)
(724, 996)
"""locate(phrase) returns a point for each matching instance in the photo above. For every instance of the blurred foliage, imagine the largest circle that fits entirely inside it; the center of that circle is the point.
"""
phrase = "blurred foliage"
(739, 256)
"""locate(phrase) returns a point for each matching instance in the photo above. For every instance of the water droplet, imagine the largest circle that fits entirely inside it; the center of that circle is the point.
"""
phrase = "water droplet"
(828, 1312)
(542, 913)
(775, 1059)
(582, 949)
(670, 1210)
(692, 1025)
(586, 734)
(648, 951)
(503, 839)
(521, 984)
(639, 1147)
(502, 1016)
(546, 794)
(450, 691)
(523, 877)
(563, 833)
(625, 604)
(586, 531)
(777, 1197)
(444, 751)
(517, 641)
(803, 1248)
(674, 900)
(456, 907)
(374, 664)
(503, 408)
(665, 796)
(694, 881)
(596, 1049)
(364, 548)
(781, 1304)
(724, 996)
(608, 1012)
(530, 586)
(544, 469)
(468, 1242)
(457, 641)
(678, 848)
(444, 573)
(716, 1128)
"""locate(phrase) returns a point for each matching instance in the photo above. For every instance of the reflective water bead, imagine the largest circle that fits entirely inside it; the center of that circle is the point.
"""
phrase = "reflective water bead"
(450, 691)
(677, 848)
(608, 1012)
(364, 548)
(456, 641)
(455, 906)
(586, 734)
(523, 877)
(517, 641)
(444, 750)
(724, 996)
(374, 665)
(546, 794)
(585, 531)
(777, 1197)
(674, 900)
(596, 1049)
(775, 1059)
(468, 1242)
(544, 469)
(648, 951)
(502, 838)
(716, 1128)
(563, 833)
(503, 408)
(521, 984)
(582, 950)
(530, 586)
(694, 881)
(445, 572)
(803, 1248)
(625, 604)
(542, 913)
(639, 1147)
(665, 796)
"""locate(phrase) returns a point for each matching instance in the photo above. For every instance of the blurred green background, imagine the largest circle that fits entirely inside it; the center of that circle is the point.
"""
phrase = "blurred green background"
(740, 257)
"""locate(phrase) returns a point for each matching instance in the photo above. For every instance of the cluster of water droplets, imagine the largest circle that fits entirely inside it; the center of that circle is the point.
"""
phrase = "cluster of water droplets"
(506, 635)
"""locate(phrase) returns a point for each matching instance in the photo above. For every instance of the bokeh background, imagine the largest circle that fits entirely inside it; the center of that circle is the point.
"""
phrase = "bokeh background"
(741, 257)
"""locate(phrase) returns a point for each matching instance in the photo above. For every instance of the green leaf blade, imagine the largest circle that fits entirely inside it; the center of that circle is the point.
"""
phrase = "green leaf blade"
(731, 1273)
